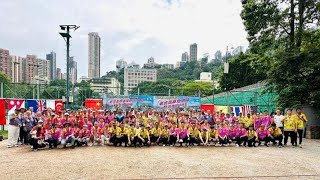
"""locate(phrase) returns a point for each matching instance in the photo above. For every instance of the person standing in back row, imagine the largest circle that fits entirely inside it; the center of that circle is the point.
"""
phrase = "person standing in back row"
(290, 127)
(302, 119)
(277, 119)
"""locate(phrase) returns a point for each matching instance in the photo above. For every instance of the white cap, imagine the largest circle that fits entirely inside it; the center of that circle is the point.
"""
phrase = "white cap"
(66, 114)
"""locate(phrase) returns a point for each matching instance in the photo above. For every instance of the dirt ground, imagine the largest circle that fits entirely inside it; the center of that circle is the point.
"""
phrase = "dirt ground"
(162, 162)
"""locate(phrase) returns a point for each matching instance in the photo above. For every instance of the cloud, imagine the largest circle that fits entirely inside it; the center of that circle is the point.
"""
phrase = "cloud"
(130, 29)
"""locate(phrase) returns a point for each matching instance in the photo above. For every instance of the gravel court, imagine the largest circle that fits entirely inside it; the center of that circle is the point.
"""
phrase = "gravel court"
(162, 162)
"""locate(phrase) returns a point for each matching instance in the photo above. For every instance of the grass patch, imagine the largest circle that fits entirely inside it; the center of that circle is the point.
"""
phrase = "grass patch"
(4, 134)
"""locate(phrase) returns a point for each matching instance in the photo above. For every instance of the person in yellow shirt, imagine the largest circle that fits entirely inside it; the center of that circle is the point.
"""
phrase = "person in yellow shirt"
(247, 121)
(112, 132)
(193, 134)
(131, 133)
(302, 119)
(212, 135)
(203, 136)
(276, 134)
(252, 137)
(155, 133)
(121, 135)
(143, 136)
(164, 137)
(290, 127)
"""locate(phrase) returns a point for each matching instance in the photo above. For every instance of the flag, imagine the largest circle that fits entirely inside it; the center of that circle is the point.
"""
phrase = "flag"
(15, 104)
(37, 105)
(2, 112)
(50, 103)
(224, 109)
(236, 110)
(207, 107)
(95, 104)
(247, 109)
(58, 106)
(41, 105)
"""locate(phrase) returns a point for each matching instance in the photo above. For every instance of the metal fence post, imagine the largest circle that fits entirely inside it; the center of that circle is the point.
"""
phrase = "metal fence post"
(38, 91)
(2, 90)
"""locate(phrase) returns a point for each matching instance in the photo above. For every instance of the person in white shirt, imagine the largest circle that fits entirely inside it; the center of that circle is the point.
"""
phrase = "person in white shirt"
(277, 119)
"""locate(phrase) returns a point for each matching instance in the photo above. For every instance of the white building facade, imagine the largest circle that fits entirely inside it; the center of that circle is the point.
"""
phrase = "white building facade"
(132, 77)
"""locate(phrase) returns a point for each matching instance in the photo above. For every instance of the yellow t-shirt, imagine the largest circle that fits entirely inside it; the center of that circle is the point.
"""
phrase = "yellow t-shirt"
(247, 121)
(301, 123)
(193, 132)
(131, 132)
(252, 134)
(120, 131)
(290, 122)
(145, 120)
(156, 132)
(112, 130)
(165, 133)
(212, 133)
(143, 133)
(275, 132)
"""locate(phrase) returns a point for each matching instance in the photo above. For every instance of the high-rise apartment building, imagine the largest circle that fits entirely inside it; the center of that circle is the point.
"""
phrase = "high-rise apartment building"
(18, 68)
(5, 62)
(52, 64)
(94, 55)
(73, 70)
(31, 68)
(59, 74)
(185, 57)
(193, 52)
(132, 77)
(43, 75)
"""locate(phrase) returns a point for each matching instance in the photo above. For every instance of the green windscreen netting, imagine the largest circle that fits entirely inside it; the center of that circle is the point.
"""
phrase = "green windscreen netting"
(257, 96)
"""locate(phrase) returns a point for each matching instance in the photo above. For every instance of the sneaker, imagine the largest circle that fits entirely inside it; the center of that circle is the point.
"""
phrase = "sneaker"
(16, 145)
(34, 150)
(266, 145)
(280, 146)
(9, 146)
(237, 145)
(164, 145)
(300, 145)
(171, 145)
(19, 143)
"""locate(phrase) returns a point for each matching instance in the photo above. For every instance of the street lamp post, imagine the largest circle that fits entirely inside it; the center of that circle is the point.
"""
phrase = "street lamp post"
(66, 36)
(226, 71)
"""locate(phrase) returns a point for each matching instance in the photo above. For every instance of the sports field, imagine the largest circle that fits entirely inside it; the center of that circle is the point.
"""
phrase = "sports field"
(162, 162)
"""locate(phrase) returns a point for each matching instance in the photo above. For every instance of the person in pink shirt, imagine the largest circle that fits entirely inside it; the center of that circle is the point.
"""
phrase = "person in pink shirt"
(101, 123)
(223, 133)
(242, 136)
(263, 135)
(87, 122)
(183, 134)
(68, 135)
(173, 132)
(257, 121)
(232, 134)
(54, 136)
(84, 135)
(266, 119)
(233, 118)
(76, 131)
(205, 125)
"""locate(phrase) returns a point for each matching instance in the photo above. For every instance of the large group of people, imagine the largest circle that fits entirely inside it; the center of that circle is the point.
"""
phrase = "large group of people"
(86, 127)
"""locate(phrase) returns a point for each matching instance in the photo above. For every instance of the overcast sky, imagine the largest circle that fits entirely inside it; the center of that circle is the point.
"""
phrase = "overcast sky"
(131, 29)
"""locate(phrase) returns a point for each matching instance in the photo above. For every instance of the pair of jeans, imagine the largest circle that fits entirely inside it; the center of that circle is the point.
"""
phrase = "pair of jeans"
(252, 142)
(173, 140)
(241, 140)
(223, 140)
(293, 137)
(70, 140)
(300, 133)
(278, 138)
(53, 142)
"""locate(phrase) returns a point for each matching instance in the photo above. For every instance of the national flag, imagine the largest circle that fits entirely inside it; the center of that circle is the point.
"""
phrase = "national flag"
(37, 105)
(15, 104)
(224, 109)
(41, 105)
(94, 104)
(2, 112)
(58, 106)
(236, 110)
(207, 107)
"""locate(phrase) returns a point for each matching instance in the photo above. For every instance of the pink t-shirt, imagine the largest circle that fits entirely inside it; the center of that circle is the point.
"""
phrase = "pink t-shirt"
(262, 133)
(233, 133)
(223, 132)
(183, 133)
(174, 132)
(266, 120)
(242, 132)
(67, 133)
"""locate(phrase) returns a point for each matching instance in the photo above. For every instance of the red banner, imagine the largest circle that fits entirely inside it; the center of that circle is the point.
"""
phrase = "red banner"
(58, 104)
(2, 112)
(95, 104)
(207, 107)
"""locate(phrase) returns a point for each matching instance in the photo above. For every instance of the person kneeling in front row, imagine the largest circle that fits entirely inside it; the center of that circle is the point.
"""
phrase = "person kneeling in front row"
(275, 134)
(68, 136)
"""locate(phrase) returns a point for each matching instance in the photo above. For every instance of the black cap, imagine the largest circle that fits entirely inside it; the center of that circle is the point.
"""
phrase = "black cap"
(273, 124)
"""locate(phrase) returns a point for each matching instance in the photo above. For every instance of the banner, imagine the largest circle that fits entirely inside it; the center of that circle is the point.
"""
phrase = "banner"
(207, 107)
(58, 105)
(171, 103)
(2, 112)
(129, 101)
(50, 103)
(194, 102)
(95, 104)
